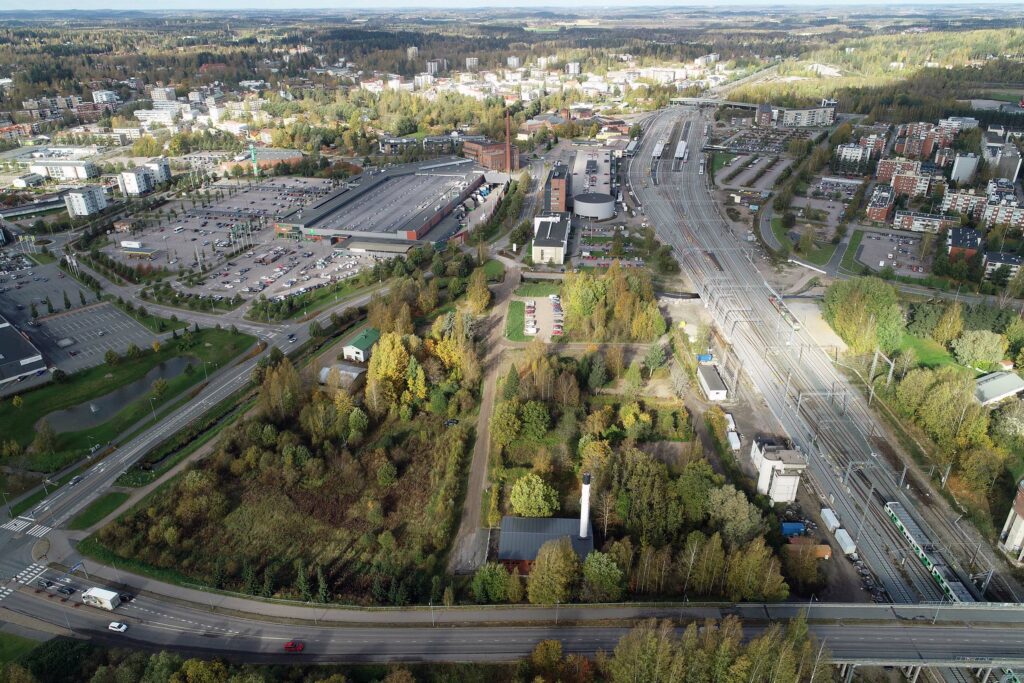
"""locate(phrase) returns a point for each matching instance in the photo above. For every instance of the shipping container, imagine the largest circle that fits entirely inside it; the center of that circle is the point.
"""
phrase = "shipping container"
(793, 529)
(734, 440)
(846, 543)
(704, 357)
(830, 520)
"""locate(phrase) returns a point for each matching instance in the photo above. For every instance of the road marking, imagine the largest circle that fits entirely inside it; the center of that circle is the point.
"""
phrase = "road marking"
(39, 530)
(30, 574)
(17, 524)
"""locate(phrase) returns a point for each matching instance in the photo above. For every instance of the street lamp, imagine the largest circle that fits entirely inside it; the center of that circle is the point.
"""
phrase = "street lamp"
(152, 407)
(6, 503)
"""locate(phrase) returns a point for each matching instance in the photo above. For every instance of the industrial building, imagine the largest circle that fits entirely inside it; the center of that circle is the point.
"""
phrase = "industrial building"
(711, 383)
(401, 202)
(779, 468)
(997, 386)
(557, 189)
(85, 201)
(64, 169)
(19, 357)
(551, 238)
(591, 184)
(521, 538)
(496, 156)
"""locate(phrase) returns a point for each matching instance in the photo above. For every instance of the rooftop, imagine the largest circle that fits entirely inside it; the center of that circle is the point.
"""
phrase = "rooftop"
(1002, 257)
(964, 238)
(18, 355)
(522, 537)
(551, 230)
(997, 386)
(365, 339)
(711, 377)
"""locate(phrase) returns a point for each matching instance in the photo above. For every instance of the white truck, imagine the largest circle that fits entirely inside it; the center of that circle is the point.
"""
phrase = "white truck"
(846, 543)
(99, 597)
(830, 520)
(65, 342)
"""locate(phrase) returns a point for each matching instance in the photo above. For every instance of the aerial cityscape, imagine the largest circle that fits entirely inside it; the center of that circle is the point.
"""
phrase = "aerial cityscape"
(633, 343)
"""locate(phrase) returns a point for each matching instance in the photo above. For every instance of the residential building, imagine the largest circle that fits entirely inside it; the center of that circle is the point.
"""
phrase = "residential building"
(963, 242)
(924, 222)
(967, 202)
(64, 169)
(881, 203)
(433, 67)
(1010, 214)
(945, 157)
(104, 97)
(912, 184)
(164, 98)
(887, 168)
(779, 468)
(964, 168)
(472, 63)
(822, 115)
(136, 182)
(360, 348)
(412, 53)
(572, 68)
(852, 159)
(160, 168)
(85, 201)
(513, 62)
(550, 238)
(994, 260)
(763, 116)
(1011, 538)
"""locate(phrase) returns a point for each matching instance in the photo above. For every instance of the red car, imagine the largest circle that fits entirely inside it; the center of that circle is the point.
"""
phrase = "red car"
(294, 646)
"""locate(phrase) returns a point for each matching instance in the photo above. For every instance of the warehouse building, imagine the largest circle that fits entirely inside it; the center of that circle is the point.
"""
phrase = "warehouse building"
(401, 202)
(591, 184)
(711, 383)
(19, 357)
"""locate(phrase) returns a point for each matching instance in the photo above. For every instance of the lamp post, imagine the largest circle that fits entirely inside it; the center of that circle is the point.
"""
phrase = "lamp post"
(152, 407)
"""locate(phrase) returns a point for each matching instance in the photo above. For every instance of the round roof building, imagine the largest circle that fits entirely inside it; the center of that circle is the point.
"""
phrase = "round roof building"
(594, 205)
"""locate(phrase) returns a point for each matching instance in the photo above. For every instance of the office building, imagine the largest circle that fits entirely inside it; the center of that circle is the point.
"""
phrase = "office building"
(85, 201)
(550, 238)
(763, 116)
(964, 168)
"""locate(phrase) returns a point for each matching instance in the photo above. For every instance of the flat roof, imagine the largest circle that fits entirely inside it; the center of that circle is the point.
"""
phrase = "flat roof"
(711, 377)
(387, 203)
(551, 230)
(522, 537)
(18, 355)
(997, 386)
(592, 171)
(388, 246)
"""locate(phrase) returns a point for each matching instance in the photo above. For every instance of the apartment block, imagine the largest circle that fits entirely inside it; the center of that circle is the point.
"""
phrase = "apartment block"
(887, 168)
(915, 221)
(85, 201)
(881, 203)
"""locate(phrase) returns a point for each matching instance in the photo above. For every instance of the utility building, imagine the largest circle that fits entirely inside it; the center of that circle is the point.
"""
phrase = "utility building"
(1011, 538)
(779, 468)
(711, 383)
(522, 537)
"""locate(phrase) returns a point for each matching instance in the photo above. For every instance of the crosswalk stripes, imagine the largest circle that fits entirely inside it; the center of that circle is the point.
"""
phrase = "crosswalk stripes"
(17, 524)
(30, 573)
(39, 530)
(5, 591)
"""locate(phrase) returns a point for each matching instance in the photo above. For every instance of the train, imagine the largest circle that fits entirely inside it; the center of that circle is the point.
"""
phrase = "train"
(944, 577)
(784, 311)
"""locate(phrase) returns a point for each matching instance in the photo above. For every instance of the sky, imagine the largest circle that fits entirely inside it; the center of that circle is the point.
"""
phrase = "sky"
(441, 4)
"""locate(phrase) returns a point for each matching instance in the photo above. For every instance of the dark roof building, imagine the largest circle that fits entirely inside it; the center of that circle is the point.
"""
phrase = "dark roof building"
(19, 357)
(963, 241)
(522, 537)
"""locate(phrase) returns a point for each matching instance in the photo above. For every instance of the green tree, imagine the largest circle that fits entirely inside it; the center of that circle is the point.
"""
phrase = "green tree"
(979, 348)
(535, 420)
(302, 582)
(654, 358)
(46, 438)
(602, 578)
(634, 379)
(554, 574)
(159, 388)
(505, 424)
(490, 583)
(515, 587)
(510, 388)
(478, 295)
(316, 330)
(67, 301)
(532, 497)
(323, 593)
(49, 305)
(865, 313)
(731, 513)
(598, 376)
(949, 326)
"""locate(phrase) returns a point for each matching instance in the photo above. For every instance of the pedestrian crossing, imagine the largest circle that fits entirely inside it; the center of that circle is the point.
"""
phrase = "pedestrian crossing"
(21, 525)
(4, 592)
(30, 573)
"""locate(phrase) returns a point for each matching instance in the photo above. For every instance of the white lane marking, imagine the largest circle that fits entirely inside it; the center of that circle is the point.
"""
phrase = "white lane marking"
(39, 530)
(17, 524)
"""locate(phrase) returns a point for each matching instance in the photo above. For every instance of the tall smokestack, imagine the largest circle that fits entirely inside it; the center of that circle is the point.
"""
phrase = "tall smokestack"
(585, 507)
(508, 143)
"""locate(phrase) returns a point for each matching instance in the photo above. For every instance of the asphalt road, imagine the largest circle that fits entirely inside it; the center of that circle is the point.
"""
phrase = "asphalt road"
(169, 626)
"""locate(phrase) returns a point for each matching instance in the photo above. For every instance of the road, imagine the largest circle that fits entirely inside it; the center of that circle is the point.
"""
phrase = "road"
(809, 398)
(162, 625)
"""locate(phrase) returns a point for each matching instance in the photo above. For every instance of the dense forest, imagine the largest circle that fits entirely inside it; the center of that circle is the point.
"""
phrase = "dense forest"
(617, 304)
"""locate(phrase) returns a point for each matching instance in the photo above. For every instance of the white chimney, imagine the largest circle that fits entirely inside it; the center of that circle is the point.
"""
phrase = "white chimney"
(585, 507)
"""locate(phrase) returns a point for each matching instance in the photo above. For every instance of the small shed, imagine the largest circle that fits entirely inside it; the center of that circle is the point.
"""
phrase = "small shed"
(711, 383)
(348, 375)
(359, 349)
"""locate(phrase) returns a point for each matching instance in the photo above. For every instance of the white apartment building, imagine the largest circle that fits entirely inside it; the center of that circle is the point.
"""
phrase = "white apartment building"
(64, 169)
(85, 201)
(136, 182)
(104, 97)
(964, 168)
(160, 168)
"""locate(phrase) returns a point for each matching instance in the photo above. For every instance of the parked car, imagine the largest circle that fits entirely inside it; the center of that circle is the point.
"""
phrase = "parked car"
(117, 626)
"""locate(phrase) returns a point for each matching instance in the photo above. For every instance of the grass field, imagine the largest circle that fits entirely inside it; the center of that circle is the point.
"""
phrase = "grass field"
(538, 288)
(821, 255)
(850, 257)
(14, 647)
(780, 233)
(43, 259)
(719, 161)
(515, 321)
(929, 353)
(210, 345)
(100, 508)
(495, 270)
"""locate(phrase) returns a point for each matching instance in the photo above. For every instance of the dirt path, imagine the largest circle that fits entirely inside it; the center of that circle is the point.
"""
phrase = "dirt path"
(469, 549)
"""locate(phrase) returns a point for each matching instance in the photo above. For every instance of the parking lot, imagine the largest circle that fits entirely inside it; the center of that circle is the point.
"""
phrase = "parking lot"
(757, 176)
(543, 317)
(833, 209)
(94, 330)
(880, 250)
(243, 218)
(765, 140)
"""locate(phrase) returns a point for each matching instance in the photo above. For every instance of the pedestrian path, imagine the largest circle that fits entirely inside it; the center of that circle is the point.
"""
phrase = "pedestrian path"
(22, 525)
